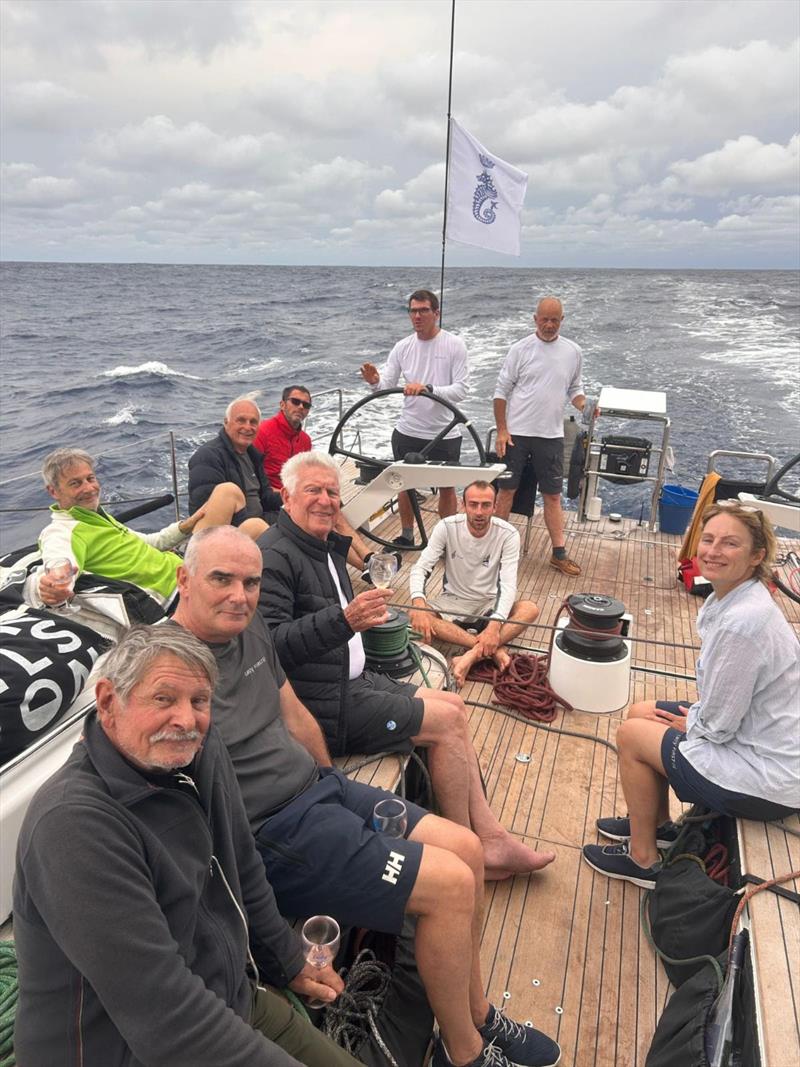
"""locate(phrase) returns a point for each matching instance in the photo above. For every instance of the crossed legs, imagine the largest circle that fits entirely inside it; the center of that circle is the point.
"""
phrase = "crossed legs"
(522, 612)
(456, 780)
(225, 500)
(447, 898)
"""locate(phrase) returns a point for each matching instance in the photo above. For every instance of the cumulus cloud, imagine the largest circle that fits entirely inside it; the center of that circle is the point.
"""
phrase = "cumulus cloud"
(742, 163)
(308, 131)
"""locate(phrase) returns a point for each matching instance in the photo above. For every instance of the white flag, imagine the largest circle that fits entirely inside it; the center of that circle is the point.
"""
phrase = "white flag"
(484, 195)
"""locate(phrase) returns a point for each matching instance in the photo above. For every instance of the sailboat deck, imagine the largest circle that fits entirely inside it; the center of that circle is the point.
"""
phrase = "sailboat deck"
(565, 948)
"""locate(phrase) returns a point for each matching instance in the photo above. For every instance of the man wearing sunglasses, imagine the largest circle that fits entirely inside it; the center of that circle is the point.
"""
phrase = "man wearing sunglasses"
(282, 437)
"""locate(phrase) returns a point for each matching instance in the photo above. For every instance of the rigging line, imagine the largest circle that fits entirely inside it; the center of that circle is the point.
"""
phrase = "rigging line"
(447, 155)
(541, 725)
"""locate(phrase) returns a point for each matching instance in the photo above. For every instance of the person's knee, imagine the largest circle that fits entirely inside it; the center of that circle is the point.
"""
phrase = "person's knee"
(527, 610)
(444, 718)
(445, 884)
(226, 493)
(640, 709)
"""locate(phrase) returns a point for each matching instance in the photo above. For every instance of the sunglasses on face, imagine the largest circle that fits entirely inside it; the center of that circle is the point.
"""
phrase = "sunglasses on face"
(738, 506)
(300, 403)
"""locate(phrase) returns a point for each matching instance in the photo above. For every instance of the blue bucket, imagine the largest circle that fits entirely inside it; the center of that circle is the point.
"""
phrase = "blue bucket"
(675, 508)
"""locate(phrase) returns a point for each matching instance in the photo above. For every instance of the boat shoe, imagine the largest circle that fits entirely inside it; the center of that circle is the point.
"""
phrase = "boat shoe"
(620, 830)
(491, 1056)
(615, 861)
(565, 565)
(522, 1046)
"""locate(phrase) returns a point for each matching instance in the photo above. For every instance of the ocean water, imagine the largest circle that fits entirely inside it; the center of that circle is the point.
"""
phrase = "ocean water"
(111, 357)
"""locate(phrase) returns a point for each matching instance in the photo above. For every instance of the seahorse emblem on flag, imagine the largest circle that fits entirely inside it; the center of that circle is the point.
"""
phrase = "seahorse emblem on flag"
(485, 191)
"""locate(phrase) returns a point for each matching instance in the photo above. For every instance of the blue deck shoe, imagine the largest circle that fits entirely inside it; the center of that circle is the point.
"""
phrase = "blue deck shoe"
(615, 862)
(491, 1056)
(523, 1046)
(620, 830)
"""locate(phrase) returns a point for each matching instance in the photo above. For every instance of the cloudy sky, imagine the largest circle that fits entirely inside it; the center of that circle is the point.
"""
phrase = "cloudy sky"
(655, 132)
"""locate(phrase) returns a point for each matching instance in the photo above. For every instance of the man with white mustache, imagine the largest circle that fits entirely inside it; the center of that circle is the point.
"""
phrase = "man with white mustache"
(138, 883)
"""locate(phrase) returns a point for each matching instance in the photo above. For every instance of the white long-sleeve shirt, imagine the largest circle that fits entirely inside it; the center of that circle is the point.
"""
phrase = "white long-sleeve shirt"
(440, 362)
(475, 568)
(744, 732)
(536, 380)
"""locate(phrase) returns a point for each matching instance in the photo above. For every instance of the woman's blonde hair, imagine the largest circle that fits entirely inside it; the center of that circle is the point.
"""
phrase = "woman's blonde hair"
(757, 525)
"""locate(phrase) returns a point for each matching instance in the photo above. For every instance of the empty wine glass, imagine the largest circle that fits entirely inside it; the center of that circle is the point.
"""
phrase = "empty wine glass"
(320, 945)
(382, 568)
(63, 572)
(389, 817)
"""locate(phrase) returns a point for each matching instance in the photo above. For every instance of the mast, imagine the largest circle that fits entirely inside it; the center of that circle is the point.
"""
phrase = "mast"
(447, 156)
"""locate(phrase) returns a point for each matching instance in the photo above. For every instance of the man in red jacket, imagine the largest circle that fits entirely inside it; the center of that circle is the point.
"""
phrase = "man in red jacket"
(282, 437)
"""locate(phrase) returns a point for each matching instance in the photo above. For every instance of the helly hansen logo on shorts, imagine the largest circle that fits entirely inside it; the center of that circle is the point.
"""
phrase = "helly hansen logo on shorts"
(393, 867)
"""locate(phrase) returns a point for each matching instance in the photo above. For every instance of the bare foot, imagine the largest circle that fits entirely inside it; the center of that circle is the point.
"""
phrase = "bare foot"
(504, 855)
(460, 666)
(502, 659)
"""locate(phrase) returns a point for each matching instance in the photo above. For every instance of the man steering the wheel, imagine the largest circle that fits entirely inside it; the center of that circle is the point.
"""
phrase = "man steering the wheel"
(429, 360)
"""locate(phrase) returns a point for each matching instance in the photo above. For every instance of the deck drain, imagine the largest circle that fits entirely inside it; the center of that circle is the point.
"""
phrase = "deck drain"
(648, 578)
(559, 1010)
(535, 981)
(529, 1024)
(506, 995)
(648, 611)
(522, 757)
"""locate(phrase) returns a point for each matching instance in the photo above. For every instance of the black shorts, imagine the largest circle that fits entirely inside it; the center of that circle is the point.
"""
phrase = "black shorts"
(691, 787)
(546, 456)
(381, 715)
(447, 451)
(322, 856)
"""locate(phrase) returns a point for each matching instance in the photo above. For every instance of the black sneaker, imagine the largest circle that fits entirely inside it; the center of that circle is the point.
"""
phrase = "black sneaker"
(620, 830)
(521, 1045)
(404, 542)
(490, 1057)
(615, 862)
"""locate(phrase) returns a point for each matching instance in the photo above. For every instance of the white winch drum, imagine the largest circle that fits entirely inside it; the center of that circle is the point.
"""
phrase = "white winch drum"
(592, 675)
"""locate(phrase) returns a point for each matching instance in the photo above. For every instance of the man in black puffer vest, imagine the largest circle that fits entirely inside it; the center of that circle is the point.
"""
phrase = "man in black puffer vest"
(316, 623)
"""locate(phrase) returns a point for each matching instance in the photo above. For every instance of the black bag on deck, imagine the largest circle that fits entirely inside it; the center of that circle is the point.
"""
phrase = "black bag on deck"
(690, 916)
(679, 1040)
(404, 1020)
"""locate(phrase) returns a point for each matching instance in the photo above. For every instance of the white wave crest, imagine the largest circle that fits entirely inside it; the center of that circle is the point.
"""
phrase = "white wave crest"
(125, 414)
(152, 366)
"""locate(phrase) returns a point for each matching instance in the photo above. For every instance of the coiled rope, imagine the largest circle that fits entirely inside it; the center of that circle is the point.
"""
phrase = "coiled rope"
(8, 1002)
(354, 1014)
(523, 686)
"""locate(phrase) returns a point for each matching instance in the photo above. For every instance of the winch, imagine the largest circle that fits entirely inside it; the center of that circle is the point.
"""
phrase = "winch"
(590, 658)
(386, 646)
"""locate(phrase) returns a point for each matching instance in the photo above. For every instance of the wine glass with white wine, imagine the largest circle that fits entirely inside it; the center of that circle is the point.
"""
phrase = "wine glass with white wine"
(63, 573)
(382, 568)
(320, 944)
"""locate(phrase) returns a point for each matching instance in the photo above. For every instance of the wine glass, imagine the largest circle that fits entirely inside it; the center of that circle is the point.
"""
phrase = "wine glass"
(320, 944)
(63, 573)
(389, 817)
(382, 568)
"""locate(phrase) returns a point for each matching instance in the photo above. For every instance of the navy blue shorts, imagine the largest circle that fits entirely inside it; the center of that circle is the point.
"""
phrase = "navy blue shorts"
(691, 787)
(323, 858)
(382, 715)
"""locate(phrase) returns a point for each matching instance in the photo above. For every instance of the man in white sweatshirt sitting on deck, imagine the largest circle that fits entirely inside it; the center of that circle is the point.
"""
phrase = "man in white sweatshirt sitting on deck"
(479, 585)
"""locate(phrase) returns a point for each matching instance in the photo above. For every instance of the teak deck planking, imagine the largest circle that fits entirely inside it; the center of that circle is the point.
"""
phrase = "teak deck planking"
(573, 931)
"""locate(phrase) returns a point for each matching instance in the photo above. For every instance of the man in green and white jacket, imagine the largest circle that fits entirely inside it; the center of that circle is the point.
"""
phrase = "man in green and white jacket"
(83, 532)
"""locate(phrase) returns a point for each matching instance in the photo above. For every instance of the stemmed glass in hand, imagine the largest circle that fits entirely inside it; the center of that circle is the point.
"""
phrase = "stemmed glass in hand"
(63, 573)
(389, 817)
(320, 945)
(382, 568)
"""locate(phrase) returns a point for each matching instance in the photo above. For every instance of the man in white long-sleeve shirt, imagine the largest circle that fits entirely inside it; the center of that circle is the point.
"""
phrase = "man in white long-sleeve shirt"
(479, 585)
(541, 372)
(430, 360)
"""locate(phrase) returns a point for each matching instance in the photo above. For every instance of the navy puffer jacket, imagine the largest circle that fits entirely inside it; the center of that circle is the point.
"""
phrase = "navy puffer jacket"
(300, 605)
